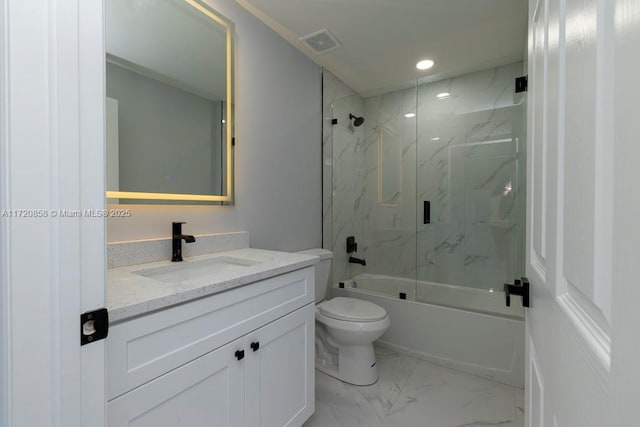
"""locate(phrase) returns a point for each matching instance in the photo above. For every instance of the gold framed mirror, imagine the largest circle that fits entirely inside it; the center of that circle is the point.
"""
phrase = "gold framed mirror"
(170, 103)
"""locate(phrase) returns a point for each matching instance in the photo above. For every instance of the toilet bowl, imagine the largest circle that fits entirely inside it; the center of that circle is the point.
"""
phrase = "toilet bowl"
(350, 326)
(345, 330)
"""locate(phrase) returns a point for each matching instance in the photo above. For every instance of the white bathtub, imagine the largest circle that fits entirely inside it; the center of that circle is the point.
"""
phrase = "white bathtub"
(467, 329)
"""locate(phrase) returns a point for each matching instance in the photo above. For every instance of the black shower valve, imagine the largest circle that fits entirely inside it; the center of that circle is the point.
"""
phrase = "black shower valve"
(352, 246)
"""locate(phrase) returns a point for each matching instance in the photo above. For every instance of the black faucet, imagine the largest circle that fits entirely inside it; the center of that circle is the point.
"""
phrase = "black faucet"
(354, 260)
(176, 240)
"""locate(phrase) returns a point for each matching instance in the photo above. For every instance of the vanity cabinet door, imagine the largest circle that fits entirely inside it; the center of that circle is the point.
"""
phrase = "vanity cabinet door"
(280, 367)
(208, 391)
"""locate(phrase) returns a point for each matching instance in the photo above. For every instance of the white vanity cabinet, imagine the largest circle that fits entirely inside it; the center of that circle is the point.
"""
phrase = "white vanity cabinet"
(243, 357)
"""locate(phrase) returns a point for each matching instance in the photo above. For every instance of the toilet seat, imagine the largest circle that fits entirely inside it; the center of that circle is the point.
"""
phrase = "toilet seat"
(352, 310)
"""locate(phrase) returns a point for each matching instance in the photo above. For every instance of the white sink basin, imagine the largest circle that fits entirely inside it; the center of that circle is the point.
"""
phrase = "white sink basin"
(189, 270)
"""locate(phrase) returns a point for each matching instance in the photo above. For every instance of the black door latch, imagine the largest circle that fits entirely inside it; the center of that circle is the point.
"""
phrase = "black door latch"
(94, 326)
(520, 287)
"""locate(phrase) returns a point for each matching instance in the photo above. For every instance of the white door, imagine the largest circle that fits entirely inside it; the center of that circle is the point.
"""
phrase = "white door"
(51, 164)
(583, 209)
(625, 366)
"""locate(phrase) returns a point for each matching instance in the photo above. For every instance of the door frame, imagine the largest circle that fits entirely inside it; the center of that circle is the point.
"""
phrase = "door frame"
(4, 326)
(52, 267)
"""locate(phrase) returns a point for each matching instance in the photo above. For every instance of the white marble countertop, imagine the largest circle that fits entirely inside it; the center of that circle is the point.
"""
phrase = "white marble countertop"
(130, 294)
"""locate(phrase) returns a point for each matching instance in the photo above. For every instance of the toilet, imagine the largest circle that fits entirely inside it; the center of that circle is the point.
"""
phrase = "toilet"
(345, 329)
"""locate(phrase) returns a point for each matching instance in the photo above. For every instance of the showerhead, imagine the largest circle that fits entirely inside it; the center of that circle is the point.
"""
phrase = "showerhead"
(357, 121)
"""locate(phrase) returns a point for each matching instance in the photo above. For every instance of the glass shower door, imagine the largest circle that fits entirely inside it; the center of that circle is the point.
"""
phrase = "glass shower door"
(470, 189)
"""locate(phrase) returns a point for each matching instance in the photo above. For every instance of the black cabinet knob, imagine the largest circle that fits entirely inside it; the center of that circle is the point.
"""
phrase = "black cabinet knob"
(255, 345)
(239, 354)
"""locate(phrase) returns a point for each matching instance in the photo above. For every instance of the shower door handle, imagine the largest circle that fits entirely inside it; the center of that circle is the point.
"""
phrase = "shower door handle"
(520, 287)
(426, 215)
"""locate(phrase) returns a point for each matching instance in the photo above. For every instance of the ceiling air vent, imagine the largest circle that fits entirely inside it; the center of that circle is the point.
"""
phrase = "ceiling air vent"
(321, 41)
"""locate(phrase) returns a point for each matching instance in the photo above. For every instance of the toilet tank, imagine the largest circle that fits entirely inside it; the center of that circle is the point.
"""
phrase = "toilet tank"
(323, 271)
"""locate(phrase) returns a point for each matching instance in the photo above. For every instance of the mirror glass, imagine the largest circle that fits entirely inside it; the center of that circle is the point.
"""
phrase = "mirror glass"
(169, 111)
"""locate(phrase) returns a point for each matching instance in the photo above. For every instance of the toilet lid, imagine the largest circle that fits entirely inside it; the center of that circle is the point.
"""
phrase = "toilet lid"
(352, 309)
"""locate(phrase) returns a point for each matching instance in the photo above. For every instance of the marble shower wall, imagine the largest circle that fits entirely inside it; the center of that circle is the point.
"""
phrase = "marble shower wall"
(464, 153)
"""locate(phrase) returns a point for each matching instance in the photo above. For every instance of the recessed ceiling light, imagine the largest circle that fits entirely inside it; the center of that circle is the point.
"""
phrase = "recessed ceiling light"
(410, 115)
(436, 138)
(425, 64)
(443, 95)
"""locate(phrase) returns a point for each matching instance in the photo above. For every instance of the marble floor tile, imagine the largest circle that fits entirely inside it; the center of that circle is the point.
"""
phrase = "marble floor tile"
(413, 393)
(368, 403)
(328, 416)
(435, 396)
(346, 399)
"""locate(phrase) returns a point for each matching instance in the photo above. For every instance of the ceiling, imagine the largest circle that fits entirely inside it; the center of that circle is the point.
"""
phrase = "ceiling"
(383, 39)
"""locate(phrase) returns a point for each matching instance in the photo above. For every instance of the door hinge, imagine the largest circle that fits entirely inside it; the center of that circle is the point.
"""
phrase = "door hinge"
(520, 287)
(94, 326)
(522, 84)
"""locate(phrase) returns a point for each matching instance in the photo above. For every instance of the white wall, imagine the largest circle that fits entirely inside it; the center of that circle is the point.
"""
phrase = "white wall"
(278, 150)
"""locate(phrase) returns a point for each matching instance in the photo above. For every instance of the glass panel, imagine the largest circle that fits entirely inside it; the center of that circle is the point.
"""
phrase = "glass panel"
(431, 187)
(348, 186)
(471, 169)
(374, 175)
